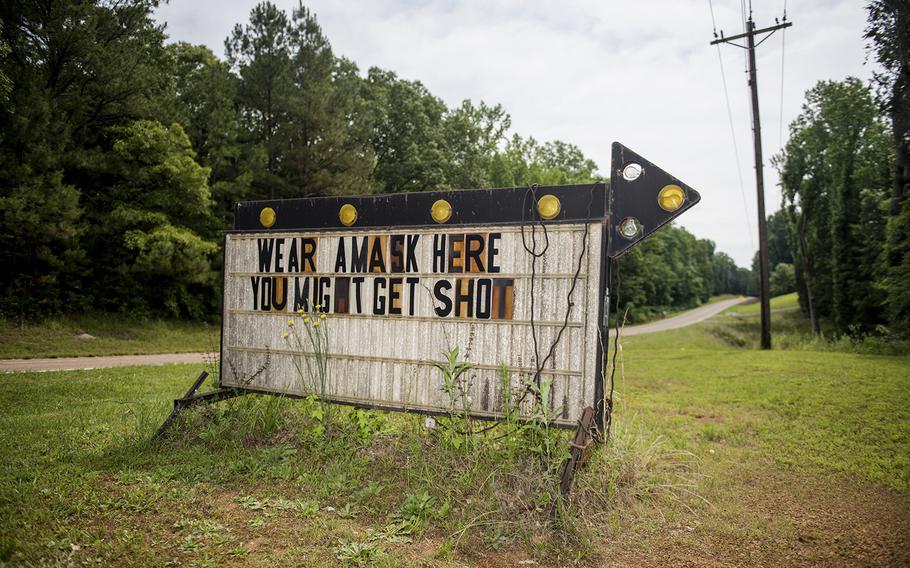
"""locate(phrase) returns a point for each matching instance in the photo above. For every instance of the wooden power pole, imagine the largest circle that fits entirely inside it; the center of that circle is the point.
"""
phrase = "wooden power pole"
(764, 276)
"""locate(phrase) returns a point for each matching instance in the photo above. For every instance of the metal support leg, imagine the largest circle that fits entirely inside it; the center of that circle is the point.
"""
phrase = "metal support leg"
(191, 398)
(580, 447)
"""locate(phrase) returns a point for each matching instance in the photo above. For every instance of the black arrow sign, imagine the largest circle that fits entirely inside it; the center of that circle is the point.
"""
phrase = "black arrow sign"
(635, 204)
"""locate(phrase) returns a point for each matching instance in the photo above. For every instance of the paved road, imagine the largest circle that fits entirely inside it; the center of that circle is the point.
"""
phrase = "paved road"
(684, 319)
(81, 363)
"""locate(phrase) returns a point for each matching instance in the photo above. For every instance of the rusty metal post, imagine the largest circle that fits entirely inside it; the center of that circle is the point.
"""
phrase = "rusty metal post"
(180, 404)
(580, 450)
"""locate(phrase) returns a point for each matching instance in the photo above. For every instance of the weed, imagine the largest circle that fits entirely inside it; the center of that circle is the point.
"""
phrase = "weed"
(349, 511)
(308, 334)
(455, 385)
(360, 553)
(418, 509)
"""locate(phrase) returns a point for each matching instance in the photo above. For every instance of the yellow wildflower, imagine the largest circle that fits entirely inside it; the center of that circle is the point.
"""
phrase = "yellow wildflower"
(290, 322)
(285, 335)
(316, 323)
(322, 316)
(318, 306)
(300, 311)
(306, 320)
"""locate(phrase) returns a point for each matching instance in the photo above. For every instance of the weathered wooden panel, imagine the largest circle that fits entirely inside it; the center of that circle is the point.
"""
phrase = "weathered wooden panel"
(396, 300)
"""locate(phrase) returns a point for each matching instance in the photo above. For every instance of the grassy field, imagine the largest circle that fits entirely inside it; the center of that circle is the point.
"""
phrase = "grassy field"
(720, 455)
(111, 335)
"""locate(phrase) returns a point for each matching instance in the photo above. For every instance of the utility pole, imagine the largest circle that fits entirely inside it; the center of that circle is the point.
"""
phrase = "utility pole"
(764, 276)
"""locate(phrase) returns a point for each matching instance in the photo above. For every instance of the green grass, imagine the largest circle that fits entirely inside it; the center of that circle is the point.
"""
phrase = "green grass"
(826, 412)
(707, 430)
(114, 334)
(785, 302)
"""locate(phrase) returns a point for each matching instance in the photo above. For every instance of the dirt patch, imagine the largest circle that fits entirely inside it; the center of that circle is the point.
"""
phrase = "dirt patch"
(778, 518)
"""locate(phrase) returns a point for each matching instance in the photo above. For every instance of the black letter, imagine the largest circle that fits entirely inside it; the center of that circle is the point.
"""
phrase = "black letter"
(412, 285)
(279, 255)
(378, 300)
(396, 253)
(492, 251)
(341, 263)
(474, 253)
(456, 253)
(377, 256)
(322, 297)
(395, 296)
(439, 253)
(357, 280)
(412, 253)
(438, 288)
(301, 294)
(293, 261)
(254, 280)
(265, 254)
(359, 256)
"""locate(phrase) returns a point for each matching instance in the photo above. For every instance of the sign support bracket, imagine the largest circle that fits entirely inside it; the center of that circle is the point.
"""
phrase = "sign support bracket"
(580, 447)
(192, 398)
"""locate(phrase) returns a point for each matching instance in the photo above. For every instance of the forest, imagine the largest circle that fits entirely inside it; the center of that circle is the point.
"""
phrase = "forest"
(122, 154)
(845, 171)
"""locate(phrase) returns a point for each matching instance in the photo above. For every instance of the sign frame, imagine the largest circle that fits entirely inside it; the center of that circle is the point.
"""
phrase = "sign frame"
(600, 203)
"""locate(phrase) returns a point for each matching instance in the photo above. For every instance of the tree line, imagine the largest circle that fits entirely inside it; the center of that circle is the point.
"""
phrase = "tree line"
(121, 156)
(845, 171)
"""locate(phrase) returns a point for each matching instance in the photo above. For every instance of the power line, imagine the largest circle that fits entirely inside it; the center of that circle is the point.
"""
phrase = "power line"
(739, 168)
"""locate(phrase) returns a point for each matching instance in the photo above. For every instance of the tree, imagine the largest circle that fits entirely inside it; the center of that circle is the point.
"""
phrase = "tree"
(526, 161)
(301, 104)
(74, 69)
(329, 145)
(407, 134)
(260, 53)
(783, 279)
(147, 244)
(5, 84)
(203, 101)
(779, 249)
(836, 160)
(671, 269)
(888, 28)
(472, 135)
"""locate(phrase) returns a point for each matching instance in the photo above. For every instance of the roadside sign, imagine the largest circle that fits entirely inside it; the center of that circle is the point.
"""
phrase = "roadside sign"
(514, 278)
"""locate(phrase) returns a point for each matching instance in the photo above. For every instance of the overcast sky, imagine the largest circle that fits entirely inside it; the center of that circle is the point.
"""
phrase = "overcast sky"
(591, 72)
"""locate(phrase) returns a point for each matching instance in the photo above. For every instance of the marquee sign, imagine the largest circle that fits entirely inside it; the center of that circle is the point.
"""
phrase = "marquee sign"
(514, 278)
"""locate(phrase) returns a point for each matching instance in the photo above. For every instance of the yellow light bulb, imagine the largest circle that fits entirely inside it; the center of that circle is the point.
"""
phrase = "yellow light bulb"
(267, 217)
(347, 214)
(548, 206)
(671, 198)
(441, 211)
